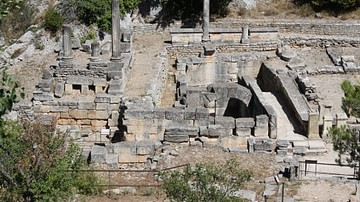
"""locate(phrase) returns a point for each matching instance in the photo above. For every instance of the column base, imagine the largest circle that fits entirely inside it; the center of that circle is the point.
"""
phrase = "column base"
(67, 58)
(245, 41)
(116, 59)
(95, 59)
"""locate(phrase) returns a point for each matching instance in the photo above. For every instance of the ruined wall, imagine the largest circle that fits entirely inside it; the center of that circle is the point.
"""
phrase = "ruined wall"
(309, 27)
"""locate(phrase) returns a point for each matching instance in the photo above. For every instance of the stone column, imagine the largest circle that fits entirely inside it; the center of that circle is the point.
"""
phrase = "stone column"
(245, 35)
(206, 19)
(115, 28)
(67, 54)
(95, 51)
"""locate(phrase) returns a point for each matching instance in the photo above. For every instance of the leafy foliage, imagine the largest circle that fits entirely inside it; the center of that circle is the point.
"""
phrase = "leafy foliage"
(205, 182)
(99, 11)
(9, 92)
(191, 10)
(336, 5)
(346, 142)
(351, 100)
(36, 163)
(53, 20)
(6, 6)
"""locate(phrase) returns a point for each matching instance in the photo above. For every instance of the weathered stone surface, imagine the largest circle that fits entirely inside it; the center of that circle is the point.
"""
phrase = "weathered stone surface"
(98, 154)
(78, 114)
(93, 114)
(201, 113)
(174, 114)
(218, 131)
(102, 98)
(225, 121)
(263, 144)
(296, 63)
(245, 122)
(243, 132)
(286, 53)
(86, 105)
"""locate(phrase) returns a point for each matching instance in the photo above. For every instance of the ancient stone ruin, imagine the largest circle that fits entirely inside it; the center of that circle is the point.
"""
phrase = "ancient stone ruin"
(234, 89)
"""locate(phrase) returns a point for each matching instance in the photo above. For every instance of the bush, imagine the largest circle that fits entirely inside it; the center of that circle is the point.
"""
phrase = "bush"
(53, 21)
(351, 100)
(206, 182)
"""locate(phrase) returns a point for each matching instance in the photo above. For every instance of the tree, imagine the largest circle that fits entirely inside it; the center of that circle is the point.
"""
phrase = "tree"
(351, 100)
(98, 11)
(206, 182)
(36, 162)
(6, 6)
(189, 10)
(346, 142)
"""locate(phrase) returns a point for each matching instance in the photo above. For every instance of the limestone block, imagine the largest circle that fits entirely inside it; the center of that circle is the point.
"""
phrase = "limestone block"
(98, 154)
(102, 98)
(341, 119)
(202, 122)
(83, 122)
(129, 136)
(201, 113)
(59, 108)
(43, 96)
(190, 113)
(174, 114)
(59, 89)
(68, 89)
(244, 132)
(286, 53)
(313, 125)
(176, 138)
(86, 105)
(203, 131)
(113, 160)
(98, 123)
(142, 158)
(79, 80)
(115, 99)
(70, 104)
(93, 114)
(262, 126)
(263, 144)
(78, 114)
(115, 87)
(245, 122)
(66, 122)
(46, 84)
(65, 115)
(44, 109)
(115, 107)
(126, 151)
(145, 148)
(225, 121)
(209, 141)
(84, 89)
(327, 124)
(219, 131)
(234, 142)
(282, 144)
(159, 114)
(102, 106)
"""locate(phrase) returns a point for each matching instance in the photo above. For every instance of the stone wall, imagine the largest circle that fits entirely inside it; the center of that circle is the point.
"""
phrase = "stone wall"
(308, 27)
(281, 82)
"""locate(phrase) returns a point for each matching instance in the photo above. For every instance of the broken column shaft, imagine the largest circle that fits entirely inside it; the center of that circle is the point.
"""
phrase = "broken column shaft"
(95, 51)
(115, 28)
(206, 20)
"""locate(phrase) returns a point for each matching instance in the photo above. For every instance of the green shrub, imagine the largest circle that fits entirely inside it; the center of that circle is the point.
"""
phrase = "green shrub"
(206, 182)
(53, 21)
(90, 35)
